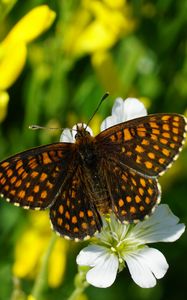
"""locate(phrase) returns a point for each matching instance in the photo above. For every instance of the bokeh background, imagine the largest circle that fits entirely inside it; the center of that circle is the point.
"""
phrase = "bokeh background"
(129, 48)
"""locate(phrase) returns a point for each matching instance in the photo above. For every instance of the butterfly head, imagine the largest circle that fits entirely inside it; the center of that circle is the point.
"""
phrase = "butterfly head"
(82, 131)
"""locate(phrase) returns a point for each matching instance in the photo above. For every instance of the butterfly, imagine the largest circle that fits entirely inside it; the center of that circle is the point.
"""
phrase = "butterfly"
(116, 171)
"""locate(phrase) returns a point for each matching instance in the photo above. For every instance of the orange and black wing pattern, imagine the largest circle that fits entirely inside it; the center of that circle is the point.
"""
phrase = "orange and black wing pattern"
(147, 145)
(33, 178)
(132, 195)
(74, 214)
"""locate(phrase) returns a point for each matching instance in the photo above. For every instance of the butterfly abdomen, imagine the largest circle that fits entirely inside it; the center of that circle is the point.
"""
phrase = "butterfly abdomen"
(94, 182)
(98, 191)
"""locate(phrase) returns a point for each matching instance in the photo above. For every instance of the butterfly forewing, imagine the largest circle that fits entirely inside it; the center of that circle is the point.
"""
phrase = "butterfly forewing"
(33, 178)
(148, 144)
(74, 214)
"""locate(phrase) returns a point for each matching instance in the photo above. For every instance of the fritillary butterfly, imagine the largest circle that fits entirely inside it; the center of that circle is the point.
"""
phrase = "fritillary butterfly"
(116, 171)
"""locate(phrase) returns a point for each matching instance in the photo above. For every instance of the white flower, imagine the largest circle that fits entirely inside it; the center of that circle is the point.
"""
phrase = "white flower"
(123, 110)
(118, 244)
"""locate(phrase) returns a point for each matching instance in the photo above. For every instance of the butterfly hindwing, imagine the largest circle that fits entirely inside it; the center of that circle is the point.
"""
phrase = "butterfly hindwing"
(74, 214)
(148, 144)
(133, 196)
(32, 179)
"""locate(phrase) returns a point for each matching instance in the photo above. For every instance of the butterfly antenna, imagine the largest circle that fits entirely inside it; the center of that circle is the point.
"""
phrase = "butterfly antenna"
(36, 127)
(97, 108)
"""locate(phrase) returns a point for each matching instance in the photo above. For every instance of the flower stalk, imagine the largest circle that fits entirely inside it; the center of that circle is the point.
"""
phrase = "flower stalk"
(41, 279)
(80, 283)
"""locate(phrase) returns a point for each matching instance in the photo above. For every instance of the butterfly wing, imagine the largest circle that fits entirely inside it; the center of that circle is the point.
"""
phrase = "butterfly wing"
(132, 196)
(74, 215)
(32, 179)
(148, 144)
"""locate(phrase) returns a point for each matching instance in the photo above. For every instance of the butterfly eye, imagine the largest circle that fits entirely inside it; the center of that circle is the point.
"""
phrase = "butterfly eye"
(87, 133)
(77, 135)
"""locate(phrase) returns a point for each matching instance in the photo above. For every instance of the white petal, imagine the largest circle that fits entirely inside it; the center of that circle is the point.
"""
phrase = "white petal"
(109, 122)
(162, 226)
(66, 136)
(146, 265)
(133, 108)
(104, 273)
(91, 255)
(124, 110)
(118, 111)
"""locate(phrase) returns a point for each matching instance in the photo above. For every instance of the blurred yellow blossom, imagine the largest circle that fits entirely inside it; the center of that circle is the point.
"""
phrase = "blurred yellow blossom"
(115, 4)
(11, 63)
(94, 28)
(4, 99)
(31, 25)
(57, 263)
(97, 26)
(30, 297)
(13, 49)
(31, 247)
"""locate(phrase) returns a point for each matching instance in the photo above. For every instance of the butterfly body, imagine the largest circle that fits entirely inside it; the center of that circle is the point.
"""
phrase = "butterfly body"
(90, 157)
(116, 171)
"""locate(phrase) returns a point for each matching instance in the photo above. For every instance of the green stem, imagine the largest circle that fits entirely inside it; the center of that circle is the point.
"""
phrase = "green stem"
(80, 284)
(77, 292)
(42, 275)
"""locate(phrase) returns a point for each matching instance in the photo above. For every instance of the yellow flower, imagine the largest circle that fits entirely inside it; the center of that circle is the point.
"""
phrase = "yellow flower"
(13, 49)
(12, 61)
(97, 26)
(31, 247)
(30, 297)
(115, 4)
(31, 25)
(57, 263)
(4, 99)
